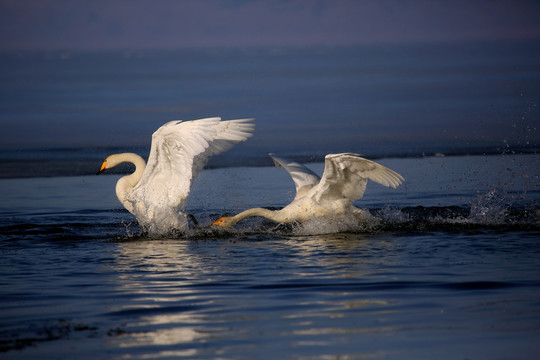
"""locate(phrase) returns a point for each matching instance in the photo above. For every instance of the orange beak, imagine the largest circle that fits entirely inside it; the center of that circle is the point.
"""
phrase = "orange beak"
(103, 167)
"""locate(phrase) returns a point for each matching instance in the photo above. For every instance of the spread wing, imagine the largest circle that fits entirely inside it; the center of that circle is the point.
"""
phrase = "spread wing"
(346, 175)
(178, 153)
(304, 179)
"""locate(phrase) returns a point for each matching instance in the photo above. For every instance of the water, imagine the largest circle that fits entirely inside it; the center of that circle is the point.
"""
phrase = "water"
(453, 271)
(61, 112)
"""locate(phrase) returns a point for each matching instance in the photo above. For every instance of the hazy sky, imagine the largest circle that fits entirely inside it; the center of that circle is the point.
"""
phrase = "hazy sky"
(108, 24)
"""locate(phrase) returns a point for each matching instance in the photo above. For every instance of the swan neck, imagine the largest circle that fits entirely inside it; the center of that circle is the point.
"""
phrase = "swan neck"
(140, 165)
(126, 183)
(136, 160)
(269, 214)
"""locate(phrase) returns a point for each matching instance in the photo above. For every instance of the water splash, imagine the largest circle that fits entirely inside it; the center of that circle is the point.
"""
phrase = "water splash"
(491, 208)
(490, 211)
(325, 226)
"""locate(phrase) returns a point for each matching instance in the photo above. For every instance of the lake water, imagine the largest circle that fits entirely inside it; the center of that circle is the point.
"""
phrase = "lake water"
(452, 272)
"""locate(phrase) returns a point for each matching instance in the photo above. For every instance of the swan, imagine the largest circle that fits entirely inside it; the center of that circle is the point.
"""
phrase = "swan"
(155, 192)
(328, 198)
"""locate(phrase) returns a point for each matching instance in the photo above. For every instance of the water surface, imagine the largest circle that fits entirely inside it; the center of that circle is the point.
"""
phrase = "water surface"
(453, 272)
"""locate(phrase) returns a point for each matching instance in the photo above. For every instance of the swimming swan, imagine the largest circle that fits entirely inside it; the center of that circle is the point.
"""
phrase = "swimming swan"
(156, 191)
(330, 198)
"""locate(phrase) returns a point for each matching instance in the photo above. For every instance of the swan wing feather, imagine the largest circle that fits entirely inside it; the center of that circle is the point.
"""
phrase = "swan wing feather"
(179, 151)
(346, 175)
(304, 178)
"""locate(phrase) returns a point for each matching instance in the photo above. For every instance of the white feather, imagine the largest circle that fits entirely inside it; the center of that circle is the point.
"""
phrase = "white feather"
(329, 198)
(179, 151)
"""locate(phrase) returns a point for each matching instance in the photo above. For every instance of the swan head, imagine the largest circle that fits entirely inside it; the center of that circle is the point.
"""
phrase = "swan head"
(224, 221)
(103, 167)
(109, 162)
(116, 159)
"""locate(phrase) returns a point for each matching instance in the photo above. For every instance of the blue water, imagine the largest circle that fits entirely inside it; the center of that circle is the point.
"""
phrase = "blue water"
(452, 272)
(375, 100)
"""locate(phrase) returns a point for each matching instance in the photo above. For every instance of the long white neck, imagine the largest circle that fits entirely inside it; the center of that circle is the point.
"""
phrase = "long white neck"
(276, 216)
(126, 183)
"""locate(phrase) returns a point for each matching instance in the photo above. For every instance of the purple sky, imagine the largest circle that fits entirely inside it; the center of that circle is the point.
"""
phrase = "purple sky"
(109, 24)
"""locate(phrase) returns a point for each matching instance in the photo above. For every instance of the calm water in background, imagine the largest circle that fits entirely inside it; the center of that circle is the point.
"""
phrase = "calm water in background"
(452, 273)
(61, 112)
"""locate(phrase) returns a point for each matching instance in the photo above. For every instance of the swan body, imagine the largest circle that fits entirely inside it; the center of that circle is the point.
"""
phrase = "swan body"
(156, 192)
(329, 198)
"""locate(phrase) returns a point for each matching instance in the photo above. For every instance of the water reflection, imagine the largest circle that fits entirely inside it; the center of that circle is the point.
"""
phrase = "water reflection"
(345, 255)
(154, 278)
(170, 336)
(240, 294)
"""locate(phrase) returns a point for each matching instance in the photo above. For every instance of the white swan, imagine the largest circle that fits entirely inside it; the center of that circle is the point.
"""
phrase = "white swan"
(155, 192)
(330, 198)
